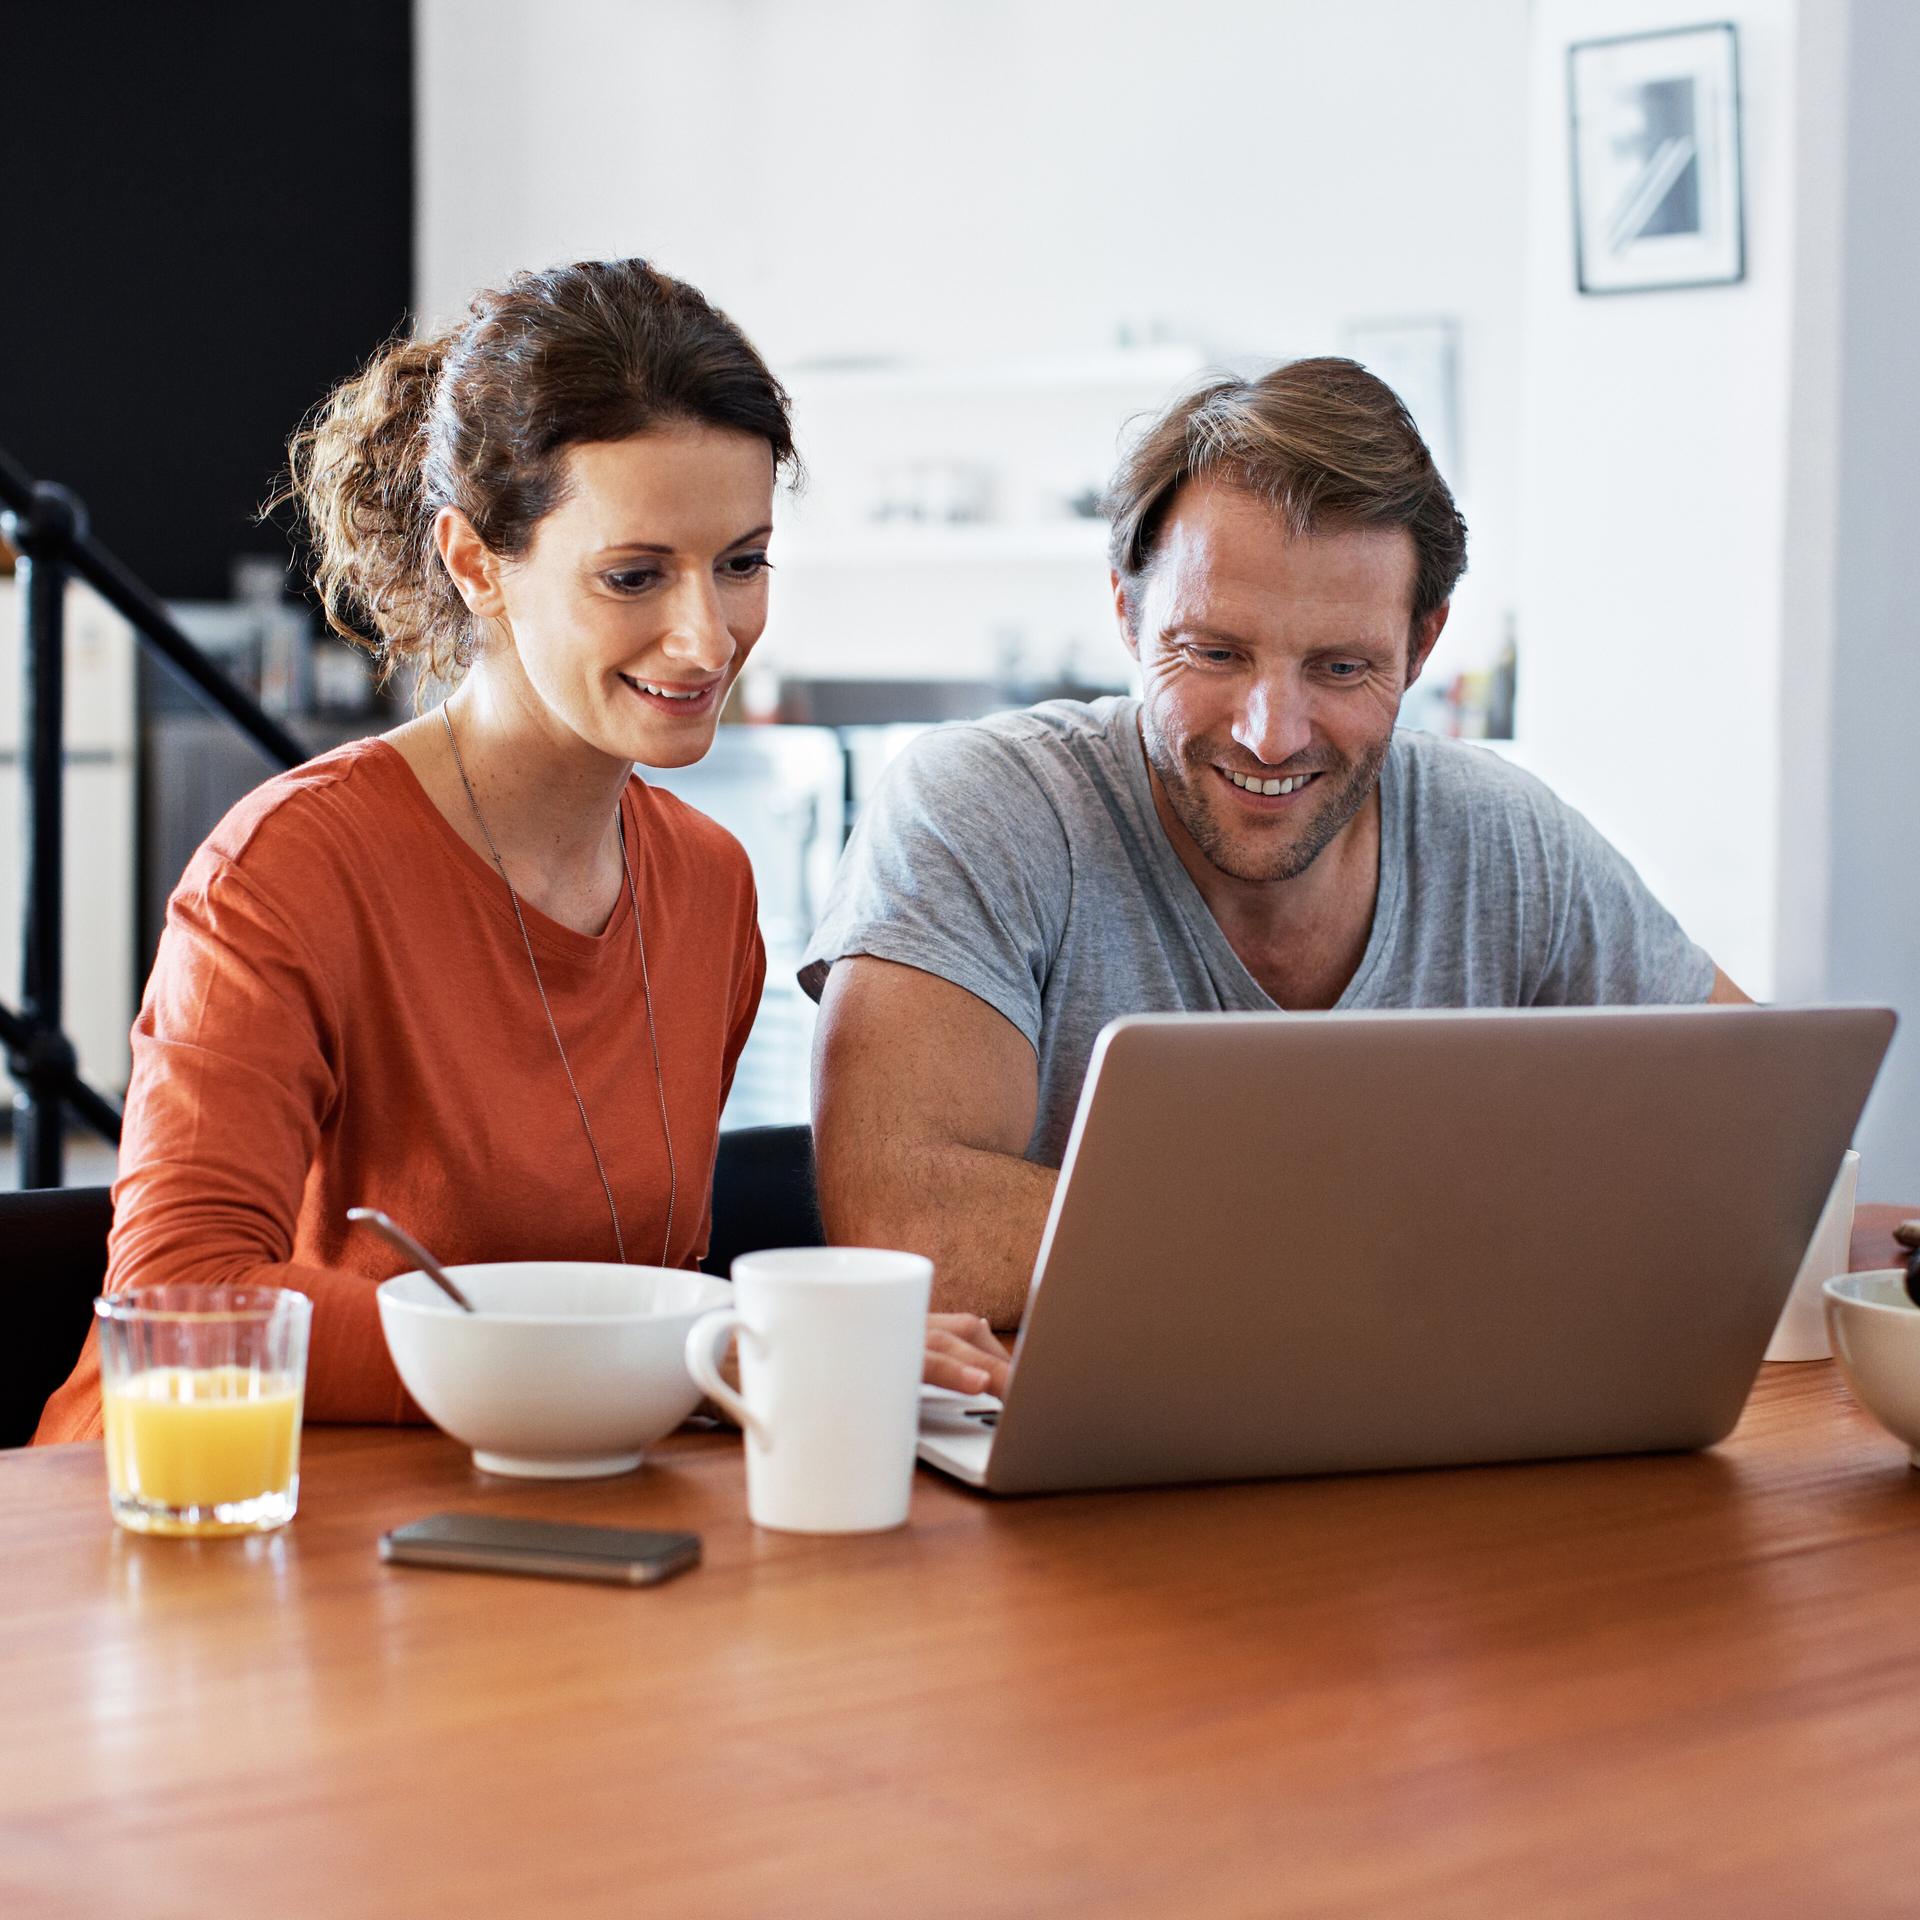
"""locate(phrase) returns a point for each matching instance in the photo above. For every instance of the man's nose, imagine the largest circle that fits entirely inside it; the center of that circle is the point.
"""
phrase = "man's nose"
(696, 630)
(1274, 723)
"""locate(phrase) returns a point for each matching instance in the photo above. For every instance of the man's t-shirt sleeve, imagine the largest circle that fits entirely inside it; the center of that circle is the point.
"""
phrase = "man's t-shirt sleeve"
(958, 865)
(1612, 942)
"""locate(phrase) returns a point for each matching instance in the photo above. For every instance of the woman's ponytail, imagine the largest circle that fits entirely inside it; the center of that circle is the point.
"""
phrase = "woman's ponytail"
(357, 473)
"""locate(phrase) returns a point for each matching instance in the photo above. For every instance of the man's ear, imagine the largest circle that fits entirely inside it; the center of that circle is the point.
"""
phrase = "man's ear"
(1425, 636)
(1122, 613)
(471, 564)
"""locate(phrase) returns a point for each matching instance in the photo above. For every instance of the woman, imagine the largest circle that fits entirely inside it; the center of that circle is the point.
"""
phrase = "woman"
(475, 972)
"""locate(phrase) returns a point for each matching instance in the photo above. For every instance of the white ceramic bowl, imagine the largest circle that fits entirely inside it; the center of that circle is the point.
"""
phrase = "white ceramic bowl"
(1875, 1331)
(567, 1369)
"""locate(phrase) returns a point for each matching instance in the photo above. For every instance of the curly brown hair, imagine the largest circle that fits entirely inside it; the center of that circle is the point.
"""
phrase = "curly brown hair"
(480, 418)
(1324, 442)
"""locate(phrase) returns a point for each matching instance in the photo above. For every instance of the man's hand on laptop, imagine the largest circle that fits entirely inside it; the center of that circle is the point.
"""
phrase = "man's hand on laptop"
(964, 1355)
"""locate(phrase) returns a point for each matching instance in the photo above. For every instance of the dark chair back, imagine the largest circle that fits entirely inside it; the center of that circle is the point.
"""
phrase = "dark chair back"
(763, 1194)
(55, 1244)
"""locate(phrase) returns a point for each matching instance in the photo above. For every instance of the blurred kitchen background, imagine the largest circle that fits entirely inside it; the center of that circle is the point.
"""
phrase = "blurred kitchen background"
(979, 239)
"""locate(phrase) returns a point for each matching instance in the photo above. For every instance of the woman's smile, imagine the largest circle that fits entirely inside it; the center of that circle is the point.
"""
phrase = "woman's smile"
(678, 699)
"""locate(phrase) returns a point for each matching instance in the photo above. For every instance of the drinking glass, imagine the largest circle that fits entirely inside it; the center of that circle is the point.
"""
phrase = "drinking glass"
(201, 1388)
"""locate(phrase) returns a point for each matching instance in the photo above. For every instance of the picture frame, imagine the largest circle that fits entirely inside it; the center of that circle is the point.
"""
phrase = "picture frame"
(1655, 140)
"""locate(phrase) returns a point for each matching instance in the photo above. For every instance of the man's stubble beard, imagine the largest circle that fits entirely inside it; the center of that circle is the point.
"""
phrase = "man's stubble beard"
(1185, 778)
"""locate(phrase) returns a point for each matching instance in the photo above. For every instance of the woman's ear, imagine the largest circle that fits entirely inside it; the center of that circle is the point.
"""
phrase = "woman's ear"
(471, 564)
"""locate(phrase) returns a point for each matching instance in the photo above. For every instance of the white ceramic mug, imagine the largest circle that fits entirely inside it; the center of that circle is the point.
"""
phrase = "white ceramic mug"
(1802, 1332)
(832, 1344)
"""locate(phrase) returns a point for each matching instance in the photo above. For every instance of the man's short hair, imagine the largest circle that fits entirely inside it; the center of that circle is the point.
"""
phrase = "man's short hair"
(1326, 445)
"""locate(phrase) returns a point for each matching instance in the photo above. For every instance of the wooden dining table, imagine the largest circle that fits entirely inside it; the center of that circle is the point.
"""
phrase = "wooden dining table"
(1676, 1684)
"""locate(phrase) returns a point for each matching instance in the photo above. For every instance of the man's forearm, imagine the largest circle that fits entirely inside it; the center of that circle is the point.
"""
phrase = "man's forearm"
(978, 1216)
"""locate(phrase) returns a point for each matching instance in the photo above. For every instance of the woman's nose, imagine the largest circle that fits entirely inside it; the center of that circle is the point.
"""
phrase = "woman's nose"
(697, 628)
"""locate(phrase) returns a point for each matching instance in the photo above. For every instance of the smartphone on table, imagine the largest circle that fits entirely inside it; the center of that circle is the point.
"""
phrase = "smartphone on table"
(497, 1543)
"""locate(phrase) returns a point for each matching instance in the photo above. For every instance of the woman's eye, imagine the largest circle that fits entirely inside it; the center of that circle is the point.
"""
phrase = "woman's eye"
(632, 579)
(744, 566)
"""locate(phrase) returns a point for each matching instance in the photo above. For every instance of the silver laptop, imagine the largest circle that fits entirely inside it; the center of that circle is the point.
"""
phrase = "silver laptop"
(1330, 1243)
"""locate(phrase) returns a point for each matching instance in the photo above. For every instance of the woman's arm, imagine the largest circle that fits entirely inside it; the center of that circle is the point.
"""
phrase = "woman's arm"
(235, 1072)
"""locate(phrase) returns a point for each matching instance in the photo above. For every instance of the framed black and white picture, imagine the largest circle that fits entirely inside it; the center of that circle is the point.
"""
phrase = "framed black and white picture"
(1656, 160)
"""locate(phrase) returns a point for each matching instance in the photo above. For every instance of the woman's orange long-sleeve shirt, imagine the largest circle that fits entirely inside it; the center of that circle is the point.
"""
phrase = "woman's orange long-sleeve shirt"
(342, 1013)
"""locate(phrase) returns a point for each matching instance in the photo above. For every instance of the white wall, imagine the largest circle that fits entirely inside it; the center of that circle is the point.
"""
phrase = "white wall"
(970, 178)
(1723, 665)
(1810, 537)
(1871, 899)
(1654, 461)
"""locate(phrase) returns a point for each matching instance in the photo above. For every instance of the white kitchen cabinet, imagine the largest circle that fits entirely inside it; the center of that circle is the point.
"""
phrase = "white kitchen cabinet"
(781, 792)
(99, 881)
(947, 528)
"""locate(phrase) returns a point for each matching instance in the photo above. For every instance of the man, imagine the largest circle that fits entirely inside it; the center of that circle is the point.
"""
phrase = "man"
(1250, 834)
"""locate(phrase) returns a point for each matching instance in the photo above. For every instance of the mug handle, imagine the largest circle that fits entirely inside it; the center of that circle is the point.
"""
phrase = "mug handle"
(703, 1337)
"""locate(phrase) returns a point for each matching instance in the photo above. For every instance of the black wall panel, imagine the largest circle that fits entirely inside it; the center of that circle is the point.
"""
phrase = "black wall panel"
(207, 217)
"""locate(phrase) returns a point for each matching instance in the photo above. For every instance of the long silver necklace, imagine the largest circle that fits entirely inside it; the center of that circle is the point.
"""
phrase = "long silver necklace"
(646, 991)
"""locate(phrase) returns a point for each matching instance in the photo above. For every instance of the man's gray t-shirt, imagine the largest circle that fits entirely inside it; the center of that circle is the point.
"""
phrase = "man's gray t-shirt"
(1020, 857)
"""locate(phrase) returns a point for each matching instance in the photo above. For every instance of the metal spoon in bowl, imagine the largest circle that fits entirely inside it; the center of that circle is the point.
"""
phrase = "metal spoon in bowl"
(400, 1239)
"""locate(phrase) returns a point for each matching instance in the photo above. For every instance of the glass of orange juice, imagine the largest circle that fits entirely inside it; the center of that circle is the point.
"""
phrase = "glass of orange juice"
(201, 1390)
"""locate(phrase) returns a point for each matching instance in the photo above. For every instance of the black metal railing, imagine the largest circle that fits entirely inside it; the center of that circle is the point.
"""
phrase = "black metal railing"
(47, 526)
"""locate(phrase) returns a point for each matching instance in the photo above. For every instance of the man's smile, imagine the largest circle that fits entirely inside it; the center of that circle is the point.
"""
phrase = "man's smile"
(1267, 787)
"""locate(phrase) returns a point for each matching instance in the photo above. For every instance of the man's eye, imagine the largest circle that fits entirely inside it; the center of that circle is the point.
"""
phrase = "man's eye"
(1211, 656)
(1346, 669)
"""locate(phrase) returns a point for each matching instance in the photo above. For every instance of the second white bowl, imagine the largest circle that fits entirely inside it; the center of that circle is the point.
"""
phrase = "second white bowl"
(1875, 1331)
